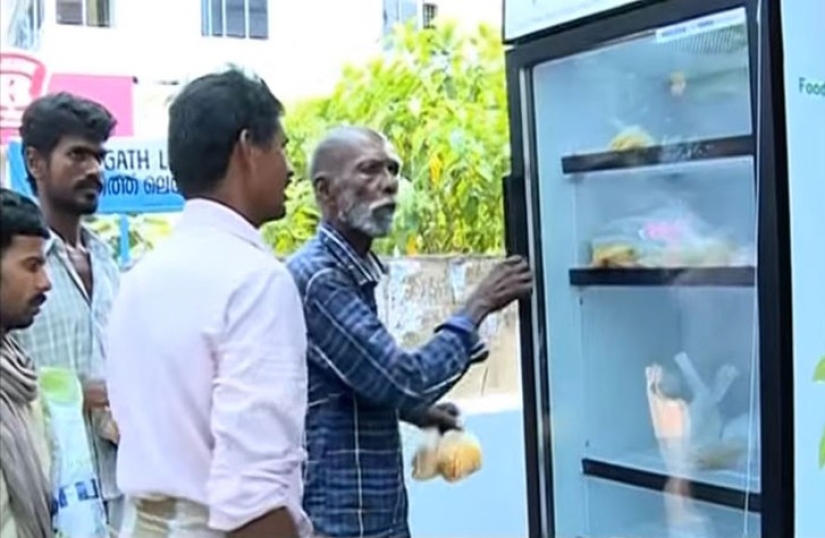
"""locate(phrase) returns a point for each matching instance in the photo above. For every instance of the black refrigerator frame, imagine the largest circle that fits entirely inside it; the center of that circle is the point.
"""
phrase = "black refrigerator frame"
(776, 501)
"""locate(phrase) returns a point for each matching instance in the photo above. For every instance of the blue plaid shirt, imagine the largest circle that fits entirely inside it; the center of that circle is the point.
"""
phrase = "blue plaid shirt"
(360, 384)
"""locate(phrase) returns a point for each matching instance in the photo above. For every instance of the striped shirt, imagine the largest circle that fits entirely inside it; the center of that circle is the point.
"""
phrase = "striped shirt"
(360, 384)
(68, 332)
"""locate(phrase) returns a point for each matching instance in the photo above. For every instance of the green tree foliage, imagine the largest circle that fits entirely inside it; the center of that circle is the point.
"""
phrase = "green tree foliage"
(144, 231)
(439, 95)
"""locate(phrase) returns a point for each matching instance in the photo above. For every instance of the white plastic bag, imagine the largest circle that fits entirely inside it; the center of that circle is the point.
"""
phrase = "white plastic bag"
(79, 511)
(454, 455)
(670, 236)
(425, 460)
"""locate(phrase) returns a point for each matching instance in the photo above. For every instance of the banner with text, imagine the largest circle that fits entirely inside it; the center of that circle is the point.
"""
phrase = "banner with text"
(137, 177)
(803, 33)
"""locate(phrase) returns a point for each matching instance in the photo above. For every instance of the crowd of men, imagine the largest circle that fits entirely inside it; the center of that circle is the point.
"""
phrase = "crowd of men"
(226, 394)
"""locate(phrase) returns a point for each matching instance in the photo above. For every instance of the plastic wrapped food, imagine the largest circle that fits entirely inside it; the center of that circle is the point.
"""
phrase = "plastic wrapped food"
(724, 454)
(614, 255)
(633, 137)
(459, 455)
(690, 433)
(425, 460)
(670, 236)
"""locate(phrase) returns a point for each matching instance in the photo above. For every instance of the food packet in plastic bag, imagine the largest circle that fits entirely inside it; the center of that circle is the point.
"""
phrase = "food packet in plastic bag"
(459, 455)
(425, 460)
(670, 236)
(79, 511)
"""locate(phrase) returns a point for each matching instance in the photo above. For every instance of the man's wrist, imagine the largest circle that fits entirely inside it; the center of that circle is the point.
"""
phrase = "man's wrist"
(464, 326)
(462, 323)
(474, 312)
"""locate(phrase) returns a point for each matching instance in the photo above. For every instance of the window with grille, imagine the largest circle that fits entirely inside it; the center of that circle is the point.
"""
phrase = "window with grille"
(244, 19)
(403, 11)
(84, 12)
(26, 21)
(429, 13)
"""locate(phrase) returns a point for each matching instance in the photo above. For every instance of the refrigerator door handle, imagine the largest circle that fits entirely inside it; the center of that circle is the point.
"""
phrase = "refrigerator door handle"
(515, 215)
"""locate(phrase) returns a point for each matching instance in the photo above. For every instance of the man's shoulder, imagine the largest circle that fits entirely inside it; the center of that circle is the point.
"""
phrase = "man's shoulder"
(218, 259)
(309, 260)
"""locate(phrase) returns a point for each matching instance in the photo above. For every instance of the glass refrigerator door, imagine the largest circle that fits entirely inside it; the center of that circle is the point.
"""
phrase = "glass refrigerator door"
(647, 193)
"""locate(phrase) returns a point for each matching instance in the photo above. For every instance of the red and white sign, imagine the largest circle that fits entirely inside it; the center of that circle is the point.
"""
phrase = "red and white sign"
(23, 78)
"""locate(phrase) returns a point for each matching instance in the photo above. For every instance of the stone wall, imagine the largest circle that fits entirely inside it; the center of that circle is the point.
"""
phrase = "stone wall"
(420, 292)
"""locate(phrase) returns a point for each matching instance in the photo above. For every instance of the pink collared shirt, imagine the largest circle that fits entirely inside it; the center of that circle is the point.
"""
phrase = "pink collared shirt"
(206, 370)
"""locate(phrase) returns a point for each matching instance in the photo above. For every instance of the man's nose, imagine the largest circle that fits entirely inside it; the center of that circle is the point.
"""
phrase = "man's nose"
(44, 283)
(93, 167)
(390, 186)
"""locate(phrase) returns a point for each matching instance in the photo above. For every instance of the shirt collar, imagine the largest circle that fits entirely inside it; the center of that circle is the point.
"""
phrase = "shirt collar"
(200, 212)
(93, 243)
(365, 270)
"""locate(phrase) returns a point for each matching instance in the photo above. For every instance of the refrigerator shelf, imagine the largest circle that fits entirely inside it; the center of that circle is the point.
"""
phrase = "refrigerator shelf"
(677, 277)
(661, 528)
(723, 488)
(666, 154)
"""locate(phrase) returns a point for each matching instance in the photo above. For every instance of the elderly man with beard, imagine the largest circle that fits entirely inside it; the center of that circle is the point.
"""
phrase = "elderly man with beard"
(361, 383)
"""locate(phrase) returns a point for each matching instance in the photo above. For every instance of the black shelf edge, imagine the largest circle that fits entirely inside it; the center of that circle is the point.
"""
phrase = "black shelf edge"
(681, 152)
(677, 276)
(711, 493)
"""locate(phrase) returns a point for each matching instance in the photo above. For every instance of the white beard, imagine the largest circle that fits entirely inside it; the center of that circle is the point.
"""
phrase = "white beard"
(373, 220)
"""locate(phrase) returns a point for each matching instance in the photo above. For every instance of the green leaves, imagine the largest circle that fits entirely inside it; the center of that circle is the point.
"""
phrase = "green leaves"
(819, 371)
(439, 95)
(144, 230)
(819, 376)
(822, 450)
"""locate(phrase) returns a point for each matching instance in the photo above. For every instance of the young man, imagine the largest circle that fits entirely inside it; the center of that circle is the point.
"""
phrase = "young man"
(25, 486)
(207, 369)
(62, 138)
(360, 381)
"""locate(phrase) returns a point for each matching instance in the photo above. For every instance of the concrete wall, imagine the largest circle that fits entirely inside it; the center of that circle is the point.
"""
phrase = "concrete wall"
(416, 296)
(421, 292)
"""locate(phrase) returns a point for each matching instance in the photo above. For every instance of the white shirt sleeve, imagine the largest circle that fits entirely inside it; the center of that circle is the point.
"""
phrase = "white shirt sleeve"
(259, 402)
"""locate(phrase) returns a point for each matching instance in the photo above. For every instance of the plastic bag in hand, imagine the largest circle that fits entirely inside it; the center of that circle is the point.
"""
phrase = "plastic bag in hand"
(79, 507)
(459, 455)
(425, 461)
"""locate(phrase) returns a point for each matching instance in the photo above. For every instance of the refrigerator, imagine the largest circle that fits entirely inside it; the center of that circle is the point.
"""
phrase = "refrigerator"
(649, 190)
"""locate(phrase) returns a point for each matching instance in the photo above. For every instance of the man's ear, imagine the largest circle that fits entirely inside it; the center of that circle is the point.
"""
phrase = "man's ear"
(245, 148)
(35, 162)
(322, 188)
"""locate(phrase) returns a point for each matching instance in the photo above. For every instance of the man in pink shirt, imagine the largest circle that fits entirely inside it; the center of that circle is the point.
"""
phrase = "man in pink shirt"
(207, 343)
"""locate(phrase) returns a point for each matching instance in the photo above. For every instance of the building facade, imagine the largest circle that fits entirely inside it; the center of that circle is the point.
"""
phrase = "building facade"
(298, 47)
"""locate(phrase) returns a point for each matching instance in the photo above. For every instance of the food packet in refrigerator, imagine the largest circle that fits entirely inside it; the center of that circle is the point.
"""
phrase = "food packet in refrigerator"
(632, 137)
(670, 236)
